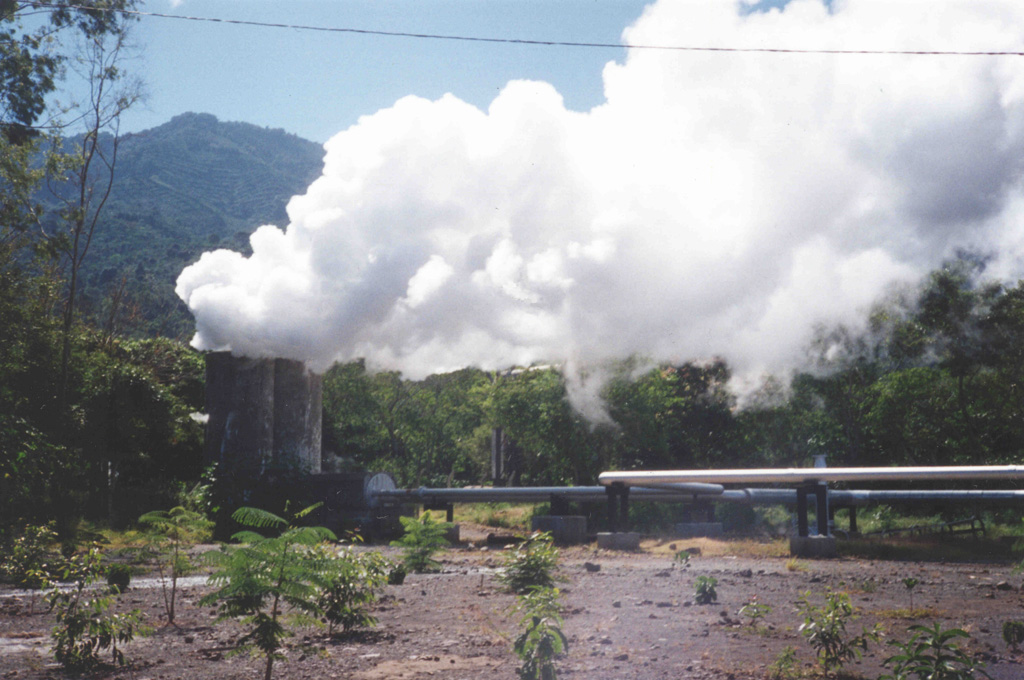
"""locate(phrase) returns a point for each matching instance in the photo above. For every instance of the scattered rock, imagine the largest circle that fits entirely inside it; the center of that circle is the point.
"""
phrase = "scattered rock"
(592, 567)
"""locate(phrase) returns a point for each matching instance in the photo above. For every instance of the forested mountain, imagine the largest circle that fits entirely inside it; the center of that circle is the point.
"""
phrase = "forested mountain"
(190, 185)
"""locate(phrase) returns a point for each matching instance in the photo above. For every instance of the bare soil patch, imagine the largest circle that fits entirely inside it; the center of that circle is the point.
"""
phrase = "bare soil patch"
(634, 617)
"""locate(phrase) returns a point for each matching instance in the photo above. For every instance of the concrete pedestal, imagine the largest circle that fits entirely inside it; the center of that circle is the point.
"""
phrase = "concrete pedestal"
(813, 546)
(565, 529)
(698, 529)
(452, 535)
(622, 540)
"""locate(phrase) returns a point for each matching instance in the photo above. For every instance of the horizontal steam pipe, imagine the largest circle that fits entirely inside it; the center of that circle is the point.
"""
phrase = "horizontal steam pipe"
(688, 493)
(541, 494)
(811, 475)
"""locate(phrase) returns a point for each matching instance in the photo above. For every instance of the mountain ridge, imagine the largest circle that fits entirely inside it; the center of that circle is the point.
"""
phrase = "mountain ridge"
(192, 184)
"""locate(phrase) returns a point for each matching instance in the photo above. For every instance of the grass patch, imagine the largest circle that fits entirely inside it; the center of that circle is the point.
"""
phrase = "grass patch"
(910, 614)
(935, 548)
(712, 547)
(498, 515)
(793, 564)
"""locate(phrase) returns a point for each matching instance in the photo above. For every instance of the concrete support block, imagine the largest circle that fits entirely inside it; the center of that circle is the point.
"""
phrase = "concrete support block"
(698, 529)
(452, 535)
(620, 540)
(565, 529)
(813, 546)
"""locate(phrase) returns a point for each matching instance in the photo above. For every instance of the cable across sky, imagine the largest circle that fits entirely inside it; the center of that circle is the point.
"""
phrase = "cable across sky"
(542, 43)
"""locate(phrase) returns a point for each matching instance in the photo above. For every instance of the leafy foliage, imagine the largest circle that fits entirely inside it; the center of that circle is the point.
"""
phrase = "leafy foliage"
(352, 584)
(119, 577)
(270, 582)
(910, 583)
(29, 561)
(705, 590)
(1013, 633)
(171, 533)
(824, 628)
(754, 611)
(85, 625)
(541, 639)
(785, 666)
(932, 653)
(531, 564)
(422, 539)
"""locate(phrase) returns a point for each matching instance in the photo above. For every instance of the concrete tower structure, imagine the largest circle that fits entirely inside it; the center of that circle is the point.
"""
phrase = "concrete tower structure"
(264, 417)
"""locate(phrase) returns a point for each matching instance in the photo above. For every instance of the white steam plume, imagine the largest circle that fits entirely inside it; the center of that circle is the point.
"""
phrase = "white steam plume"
(716, 204)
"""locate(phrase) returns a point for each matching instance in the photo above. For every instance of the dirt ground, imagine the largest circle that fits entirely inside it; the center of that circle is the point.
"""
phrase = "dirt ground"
(627, 615)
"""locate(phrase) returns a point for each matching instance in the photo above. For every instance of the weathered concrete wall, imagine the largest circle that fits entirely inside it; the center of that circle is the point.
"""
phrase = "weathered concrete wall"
(298, 404)
(264, 416)
(240, 404)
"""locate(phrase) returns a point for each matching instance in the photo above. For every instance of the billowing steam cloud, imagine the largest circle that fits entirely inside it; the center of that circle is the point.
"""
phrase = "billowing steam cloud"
(716, 204)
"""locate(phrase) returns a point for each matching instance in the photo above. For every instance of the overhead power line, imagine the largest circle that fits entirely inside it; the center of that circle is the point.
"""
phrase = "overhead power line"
(542, 43)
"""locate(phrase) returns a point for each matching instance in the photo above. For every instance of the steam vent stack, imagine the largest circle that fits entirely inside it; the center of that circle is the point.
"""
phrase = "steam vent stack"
(264, 418)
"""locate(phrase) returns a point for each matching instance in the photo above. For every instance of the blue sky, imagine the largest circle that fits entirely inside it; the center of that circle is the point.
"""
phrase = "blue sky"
(317, 84)
(715, 204)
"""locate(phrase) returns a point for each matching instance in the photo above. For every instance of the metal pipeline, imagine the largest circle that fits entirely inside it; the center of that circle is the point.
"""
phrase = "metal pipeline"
(541, 494)
(813, 475)
(861, 498)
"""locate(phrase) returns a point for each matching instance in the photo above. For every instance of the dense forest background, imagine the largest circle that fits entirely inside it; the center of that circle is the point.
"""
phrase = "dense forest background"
(933, 375)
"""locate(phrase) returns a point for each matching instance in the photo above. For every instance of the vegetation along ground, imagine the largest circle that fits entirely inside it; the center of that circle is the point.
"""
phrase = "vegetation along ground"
(625, 615)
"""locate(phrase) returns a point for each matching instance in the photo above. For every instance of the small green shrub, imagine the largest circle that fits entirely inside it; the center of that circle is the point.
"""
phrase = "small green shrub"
(932, 654)
(755, 611)
(531, 564)
(824, 628)
(396, 576)
(423, 538)
(352, 585)
(170, 534)
(542, 638)
(30, 561)
(85, 626)
(119, 577)
(1013, 633)
(682, 558)
(784, 667)
(269, 583)
(910, 583)
(704, 590)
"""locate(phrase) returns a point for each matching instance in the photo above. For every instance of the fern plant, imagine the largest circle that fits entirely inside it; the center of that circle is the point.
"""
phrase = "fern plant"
(270, 582)
(171, 533)
(422, 539)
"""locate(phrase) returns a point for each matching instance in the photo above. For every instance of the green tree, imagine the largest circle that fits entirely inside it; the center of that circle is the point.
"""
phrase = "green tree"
(541, 639)
(85, 626)
(270, 582)
(422, 539)
(171, 534)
